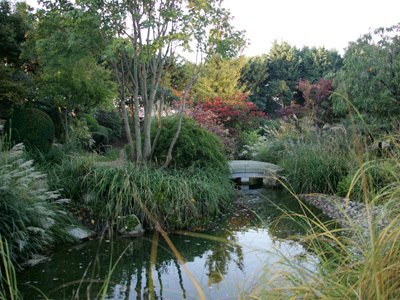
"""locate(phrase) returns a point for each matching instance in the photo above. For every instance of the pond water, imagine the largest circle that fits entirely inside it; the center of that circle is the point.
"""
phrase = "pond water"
(225, 261)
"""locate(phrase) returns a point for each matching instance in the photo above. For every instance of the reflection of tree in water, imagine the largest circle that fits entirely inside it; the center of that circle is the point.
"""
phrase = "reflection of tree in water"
(148, 264)
(222, 254)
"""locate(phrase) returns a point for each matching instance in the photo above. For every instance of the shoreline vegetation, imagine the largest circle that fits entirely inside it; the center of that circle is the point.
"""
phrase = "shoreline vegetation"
(331, 122)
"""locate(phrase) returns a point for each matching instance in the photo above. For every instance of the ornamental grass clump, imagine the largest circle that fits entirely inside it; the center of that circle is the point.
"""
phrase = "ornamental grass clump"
(31, 216)
(356, 262)
(176, 199)
(315, 159)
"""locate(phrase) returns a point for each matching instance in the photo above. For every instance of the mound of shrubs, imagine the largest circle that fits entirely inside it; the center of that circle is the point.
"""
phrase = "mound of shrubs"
(32, 127)
(195, 146)
(101, 134)
(90, 121)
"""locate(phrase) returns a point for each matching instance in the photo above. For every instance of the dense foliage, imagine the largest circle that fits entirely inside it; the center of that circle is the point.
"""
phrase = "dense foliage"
(236, 113)
(195, 146)
(369, 80)
(110, 119)
(316, 101)
(91, 122)
(14, 84)
(221, 77)
(271, 80)
(32, 127)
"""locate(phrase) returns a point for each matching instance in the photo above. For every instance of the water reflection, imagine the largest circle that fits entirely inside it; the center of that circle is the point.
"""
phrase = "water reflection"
(223, 260)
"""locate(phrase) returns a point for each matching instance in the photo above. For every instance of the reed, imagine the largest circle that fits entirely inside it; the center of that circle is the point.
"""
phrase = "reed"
(175, 199)
(8, 286)
(356, 262)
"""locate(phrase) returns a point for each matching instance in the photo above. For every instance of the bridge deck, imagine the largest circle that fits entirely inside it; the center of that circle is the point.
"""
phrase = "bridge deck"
(250, 168)
(246, 169)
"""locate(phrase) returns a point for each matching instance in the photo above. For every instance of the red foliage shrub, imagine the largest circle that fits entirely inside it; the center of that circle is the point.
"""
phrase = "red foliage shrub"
(317, 100)
(226, 117)
(236, 113)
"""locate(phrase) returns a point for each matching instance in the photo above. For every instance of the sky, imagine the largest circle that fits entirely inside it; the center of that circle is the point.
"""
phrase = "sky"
(331, 24)
(320, 23)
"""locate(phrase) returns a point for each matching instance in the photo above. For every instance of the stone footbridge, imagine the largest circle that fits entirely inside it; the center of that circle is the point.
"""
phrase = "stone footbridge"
(246, 169)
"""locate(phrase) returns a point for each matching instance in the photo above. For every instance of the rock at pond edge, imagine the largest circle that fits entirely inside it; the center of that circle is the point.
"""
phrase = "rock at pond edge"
(130, 226)
(80, 233)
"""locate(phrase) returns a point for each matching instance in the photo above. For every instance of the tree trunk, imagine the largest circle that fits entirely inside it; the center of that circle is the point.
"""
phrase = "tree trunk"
(127, 127)
(66, 124)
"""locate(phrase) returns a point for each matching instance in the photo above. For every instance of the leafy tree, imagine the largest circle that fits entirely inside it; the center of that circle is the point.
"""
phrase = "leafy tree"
(370, 77)
(14, 84)
(220, 77)
(138, 39)
(236, 113)
(13, 26)
(254, 73)
(285, 72)
(254, 79)
(317, 63)
(68, 75)
(317, 101)
(271, 79)
(180, 72)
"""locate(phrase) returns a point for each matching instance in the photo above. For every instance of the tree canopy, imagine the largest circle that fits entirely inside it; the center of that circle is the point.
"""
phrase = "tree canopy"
(271, 79)
(221, 77)
(14, 84)
(370, 78)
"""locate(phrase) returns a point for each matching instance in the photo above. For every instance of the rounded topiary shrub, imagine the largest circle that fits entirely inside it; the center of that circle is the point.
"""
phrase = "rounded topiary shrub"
(57, 118)
(195, 145)
(32, 127)
(90, 121)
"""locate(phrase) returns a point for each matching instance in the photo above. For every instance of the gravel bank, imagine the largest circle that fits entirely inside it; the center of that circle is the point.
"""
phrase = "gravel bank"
(347, 213)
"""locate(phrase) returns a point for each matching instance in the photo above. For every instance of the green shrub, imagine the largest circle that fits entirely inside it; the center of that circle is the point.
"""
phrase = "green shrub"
(55, 115)
(32, 127)
(112, 120)
(195, 146)
(31, 216)
(80, 136)
(90, 121)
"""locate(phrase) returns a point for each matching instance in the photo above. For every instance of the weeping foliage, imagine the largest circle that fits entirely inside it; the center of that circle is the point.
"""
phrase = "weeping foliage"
(195, 145)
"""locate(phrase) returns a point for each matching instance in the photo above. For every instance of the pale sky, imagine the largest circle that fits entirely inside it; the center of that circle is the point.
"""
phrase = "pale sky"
(332, 24)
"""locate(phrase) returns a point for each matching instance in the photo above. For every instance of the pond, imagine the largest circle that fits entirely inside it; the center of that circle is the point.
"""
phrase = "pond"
(226, 261)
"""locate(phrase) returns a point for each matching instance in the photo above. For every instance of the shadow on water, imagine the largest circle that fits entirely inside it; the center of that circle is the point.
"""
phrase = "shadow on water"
(224, 260)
